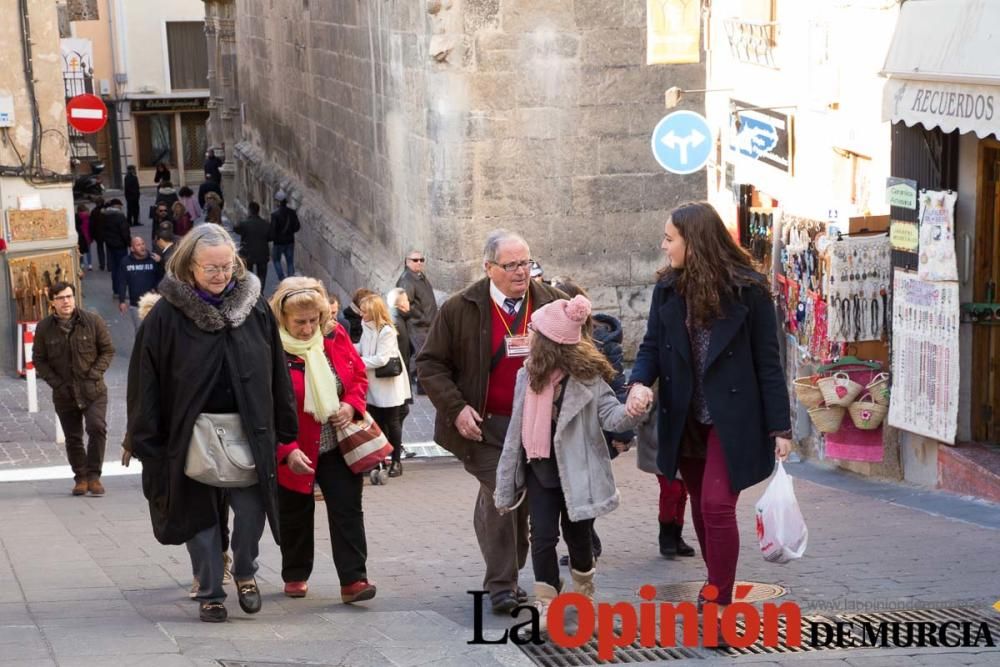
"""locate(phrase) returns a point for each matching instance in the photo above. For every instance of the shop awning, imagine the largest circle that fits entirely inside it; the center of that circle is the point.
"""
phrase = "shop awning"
(944, 66)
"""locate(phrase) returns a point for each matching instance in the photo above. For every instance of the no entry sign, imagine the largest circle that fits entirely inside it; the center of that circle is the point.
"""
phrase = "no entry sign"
(87, 113)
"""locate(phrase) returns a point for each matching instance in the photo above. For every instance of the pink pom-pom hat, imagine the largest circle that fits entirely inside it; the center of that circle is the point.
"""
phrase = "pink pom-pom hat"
(562, 321)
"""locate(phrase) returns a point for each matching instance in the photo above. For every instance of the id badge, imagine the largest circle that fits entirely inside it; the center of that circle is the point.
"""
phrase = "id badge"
(517, 346)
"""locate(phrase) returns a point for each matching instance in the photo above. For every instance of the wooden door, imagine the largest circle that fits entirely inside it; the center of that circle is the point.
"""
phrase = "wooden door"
(986, 284)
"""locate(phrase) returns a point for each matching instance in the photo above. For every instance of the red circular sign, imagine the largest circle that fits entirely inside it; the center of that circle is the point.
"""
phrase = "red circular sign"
(87, 113)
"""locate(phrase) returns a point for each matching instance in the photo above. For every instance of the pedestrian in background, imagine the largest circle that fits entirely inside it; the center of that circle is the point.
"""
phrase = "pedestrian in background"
(209, 185)
(329, 383)
(352, 315)
(132, 195)
(182, 219)
(284, 226)
(712, 344)
(166, 194)
(399, 305)
(72, 352)
(97, 232)
(162, 173)
(187, 197)
(117, 237)
(165, 246)
(423, 304)
(212, 165)
(83, 238)
(139, 274)
(254, 247)
(210, 345)
(379, 348)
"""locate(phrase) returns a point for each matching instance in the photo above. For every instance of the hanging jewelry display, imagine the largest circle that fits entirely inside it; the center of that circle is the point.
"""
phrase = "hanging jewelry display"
(857, 287)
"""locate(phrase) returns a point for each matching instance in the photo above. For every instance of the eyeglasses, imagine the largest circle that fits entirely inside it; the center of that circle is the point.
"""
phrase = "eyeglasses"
(418, 260)
(511, 267)
(210, 270)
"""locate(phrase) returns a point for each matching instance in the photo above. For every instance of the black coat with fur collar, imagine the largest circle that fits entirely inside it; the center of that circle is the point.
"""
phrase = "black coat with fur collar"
(177, 354)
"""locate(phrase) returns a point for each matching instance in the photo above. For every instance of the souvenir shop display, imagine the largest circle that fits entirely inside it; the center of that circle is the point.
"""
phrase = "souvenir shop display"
(760, 234)
(937, 259)
(925, 360)
(32, 275)
(857, 288)
(866, 414)
(804, 311)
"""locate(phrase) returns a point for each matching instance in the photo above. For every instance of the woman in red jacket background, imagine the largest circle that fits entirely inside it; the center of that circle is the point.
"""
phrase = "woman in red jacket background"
(330, 383)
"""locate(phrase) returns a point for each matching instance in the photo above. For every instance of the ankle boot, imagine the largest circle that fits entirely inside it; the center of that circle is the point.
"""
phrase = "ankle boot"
(668, 540)
(544, 595)
(583, 582)
(683, 548)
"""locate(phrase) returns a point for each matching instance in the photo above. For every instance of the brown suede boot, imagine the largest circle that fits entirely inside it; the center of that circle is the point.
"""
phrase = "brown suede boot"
(80, 487)
(95, 487)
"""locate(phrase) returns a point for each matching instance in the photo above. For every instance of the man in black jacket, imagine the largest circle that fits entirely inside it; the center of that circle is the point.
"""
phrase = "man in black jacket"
(212, 165)
(117, 237)
(284, 225)
(139, 274)
(72, 351)
(132, 196)
(254, 247)
(164, 244)
(423, 305)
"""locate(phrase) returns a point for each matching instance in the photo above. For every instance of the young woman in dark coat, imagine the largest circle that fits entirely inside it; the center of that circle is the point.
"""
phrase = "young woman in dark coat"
(712, 343)
(211, 345)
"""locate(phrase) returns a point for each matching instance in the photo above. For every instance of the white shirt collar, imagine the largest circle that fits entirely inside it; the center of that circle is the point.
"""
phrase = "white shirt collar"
(499, 297)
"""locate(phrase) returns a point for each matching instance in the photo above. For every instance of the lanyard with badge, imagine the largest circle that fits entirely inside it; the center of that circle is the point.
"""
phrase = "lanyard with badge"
(516, 344)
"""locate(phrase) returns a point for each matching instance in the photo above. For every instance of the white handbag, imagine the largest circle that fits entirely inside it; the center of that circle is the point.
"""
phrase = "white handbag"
(219, 452)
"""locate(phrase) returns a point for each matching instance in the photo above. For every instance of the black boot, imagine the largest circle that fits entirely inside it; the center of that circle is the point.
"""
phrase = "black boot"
(668, 540)
(683, 548)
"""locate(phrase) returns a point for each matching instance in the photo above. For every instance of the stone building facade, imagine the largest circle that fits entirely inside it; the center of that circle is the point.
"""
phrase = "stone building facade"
(428, 123)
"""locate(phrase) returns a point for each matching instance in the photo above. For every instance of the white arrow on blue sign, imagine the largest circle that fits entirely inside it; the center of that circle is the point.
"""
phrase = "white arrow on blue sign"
(682, 142)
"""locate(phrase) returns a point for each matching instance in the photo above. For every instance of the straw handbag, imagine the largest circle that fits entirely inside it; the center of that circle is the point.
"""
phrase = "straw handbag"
(827, 419)
(866, 414)
(839, 389)
(879, 388)
(807, 392)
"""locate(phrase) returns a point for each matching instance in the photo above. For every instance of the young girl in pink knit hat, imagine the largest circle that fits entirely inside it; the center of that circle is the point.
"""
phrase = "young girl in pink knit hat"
(555, 451)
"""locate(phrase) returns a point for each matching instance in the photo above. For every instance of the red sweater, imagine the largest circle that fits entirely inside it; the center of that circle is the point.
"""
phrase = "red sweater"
(351, 371)
(500, 390)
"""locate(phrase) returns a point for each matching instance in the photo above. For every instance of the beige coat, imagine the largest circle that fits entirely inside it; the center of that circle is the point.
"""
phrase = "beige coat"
(579, 447)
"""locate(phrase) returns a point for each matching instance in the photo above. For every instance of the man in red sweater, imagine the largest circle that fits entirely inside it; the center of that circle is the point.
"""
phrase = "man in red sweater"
(468, 367)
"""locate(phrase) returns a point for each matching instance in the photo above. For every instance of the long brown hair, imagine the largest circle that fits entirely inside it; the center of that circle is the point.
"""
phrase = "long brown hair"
(715, 267)
(580, 360)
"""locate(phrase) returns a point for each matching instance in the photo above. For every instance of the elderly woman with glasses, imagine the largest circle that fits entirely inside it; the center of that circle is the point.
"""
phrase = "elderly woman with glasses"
(330, 383)
(209, 346)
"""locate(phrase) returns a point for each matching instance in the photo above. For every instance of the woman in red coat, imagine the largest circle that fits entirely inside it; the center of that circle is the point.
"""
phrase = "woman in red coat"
(330, 383)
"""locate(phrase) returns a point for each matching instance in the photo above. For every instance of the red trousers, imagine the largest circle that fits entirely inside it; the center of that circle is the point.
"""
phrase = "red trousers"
(713, 511)
(673, 499)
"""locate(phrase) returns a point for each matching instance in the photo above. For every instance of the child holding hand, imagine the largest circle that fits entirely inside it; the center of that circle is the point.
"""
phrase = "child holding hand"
(555, 449)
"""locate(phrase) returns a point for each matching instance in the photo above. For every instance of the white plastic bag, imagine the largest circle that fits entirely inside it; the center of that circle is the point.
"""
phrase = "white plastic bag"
(780, 527)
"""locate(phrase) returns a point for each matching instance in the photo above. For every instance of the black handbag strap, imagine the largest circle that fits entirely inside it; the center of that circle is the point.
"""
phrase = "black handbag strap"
(501, 351)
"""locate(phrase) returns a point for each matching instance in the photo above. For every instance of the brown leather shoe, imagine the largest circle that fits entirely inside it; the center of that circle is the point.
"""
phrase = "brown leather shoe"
(80, 487)
(95, 487)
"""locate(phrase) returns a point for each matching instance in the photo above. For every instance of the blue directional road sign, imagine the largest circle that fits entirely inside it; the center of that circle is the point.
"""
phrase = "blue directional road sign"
(682, 142)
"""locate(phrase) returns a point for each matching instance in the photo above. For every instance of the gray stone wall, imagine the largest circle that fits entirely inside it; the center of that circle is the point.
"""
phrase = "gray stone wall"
(430, 122)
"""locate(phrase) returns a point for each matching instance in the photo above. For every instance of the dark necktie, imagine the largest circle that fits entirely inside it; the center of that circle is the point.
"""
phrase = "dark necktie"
(510, 305)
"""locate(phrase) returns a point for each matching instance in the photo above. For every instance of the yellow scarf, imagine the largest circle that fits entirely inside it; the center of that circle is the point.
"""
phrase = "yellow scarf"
(321, 400)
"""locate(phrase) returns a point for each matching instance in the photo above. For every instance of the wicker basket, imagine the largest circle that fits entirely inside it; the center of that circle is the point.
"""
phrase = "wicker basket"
(866, 414)
(879, 388)
(807, 392)
(839, 389)
(827, 419)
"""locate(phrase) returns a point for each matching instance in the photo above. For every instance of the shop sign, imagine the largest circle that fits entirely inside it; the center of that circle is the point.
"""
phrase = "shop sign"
(761, 135)
(901, 192)
(904, 236)
(171, 104)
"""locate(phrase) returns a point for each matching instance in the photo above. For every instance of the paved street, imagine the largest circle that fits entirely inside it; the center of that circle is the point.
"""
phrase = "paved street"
(83, 582)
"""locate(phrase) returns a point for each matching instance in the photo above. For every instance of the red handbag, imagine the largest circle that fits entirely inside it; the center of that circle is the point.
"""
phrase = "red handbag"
(363, 444)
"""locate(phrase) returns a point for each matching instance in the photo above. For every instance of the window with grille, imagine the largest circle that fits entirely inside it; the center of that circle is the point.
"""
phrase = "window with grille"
(187, 55)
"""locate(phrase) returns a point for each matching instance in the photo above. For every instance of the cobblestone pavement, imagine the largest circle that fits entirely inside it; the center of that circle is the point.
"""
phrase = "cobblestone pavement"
(84, 583)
